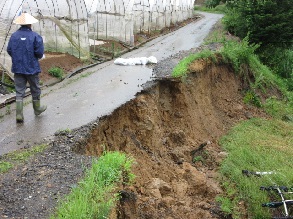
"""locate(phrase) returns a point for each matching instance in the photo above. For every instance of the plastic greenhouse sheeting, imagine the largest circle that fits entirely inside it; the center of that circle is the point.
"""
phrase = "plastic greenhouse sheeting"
(70, 25)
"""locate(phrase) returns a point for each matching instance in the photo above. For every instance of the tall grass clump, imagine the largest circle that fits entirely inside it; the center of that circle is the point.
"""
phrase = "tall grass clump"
(256, 145)
(181, 69)
(96, 194)
(241, 55)
(237, 53)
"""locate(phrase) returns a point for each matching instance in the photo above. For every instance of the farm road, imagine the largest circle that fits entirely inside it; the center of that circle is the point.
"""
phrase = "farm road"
(79, 100)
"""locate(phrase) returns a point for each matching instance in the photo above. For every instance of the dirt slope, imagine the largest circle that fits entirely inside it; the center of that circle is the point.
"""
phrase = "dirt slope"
(172, 131)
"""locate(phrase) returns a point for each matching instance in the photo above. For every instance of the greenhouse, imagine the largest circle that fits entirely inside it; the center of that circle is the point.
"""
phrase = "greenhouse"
(71, 26)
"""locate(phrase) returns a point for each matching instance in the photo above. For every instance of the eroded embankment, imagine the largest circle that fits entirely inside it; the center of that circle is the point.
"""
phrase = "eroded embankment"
(162, 128)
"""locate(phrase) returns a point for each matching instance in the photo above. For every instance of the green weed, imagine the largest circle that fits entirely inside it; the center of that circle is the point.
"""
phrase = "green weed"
(56, 72)
(226, 204)
(95, 196)
(197, 159)
(8, 161)
(5, 166)
(251, 98)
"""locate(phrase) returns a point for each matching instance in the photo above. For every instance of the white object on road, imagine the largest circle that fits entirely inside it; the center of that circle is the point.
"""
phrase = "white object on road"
(136, 61)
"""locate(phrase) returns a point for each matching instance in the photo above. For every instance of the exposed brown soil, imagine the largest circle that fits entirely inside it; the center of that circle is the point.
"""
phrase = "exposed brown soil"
(64, 61)
(172, 131)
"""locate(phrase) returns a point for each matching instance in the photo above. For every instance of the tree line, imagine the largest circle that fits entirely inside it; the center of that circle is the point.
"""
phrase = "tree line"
(267, 24)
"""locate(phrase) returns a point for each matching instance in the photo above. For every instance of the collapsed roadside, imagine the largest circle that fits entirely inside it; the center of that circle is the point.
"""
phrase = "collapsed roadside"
(163, 129)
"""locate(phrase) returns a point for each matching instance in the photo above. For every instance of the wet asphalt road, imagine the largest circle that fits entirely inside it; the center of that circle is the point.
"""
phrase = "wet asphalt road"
(79, 100)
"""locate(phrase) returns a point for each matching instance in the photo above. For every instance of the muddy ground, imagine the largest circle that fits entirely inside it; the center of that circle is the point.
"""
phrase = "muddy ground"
(172, 129)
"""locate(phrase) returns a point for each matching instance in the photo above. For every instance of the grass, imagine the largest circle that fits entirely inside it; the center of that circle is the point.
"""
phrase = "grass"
(280, 109)
(240, 55)
(181, 69)
(96, 194)
(256, 145)
(8, 161)
(220, 9)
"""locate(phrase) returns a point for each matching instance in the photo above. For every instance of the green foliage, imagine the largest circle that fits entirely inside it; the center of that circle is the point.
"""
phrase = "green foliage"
(290, 83)
(220, 8)
(5, 166)
(257, 145)
(279, 109)
(95, 195)
(56, 72)
(264, 21)
(197, 159)
(181, 69)
(7, 80)
(238, 53)
(267, 23)
(226, 204)
(212, 3)
(244, 61)
(280, 60)
(251, 98)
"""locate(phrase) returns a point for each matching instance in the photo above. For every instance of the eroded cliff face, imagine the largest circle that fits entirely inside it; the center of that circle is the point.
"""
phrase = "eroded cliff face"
(172, 131)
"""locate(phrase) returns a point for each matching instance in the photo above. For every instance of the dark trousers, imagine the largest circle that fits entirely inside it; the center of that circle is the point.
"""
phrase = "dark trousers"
(20, 81)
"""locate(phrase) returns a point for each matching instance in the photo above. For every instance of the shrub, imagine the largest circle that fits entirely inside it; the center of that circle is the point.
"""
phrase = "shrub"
(56, 72)
(212, 3)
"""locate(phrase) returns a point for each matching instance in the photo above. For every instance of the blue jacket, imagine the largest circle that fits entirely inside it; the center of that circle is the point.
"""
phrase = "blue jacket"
(25, 48)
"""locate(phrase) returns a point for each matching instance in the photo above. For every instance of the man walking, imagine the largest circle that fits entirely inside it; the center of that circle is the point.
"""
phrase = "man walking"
(26, 48)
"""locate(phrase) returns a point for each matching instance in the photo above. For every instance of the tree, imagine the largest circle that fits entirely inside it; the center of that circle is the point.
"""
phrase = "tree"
(267, 23)
(212, 3)
(264, 21)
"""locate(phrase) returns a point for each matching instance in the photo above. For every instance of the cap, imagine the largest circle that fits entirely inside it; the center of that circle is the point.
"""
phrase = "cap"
(24, 19)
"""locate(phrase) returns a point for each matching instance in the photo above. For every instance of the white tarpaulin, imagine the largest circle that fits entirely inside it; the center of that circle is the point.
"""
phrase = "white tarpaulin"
(136, 61)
